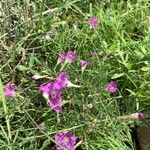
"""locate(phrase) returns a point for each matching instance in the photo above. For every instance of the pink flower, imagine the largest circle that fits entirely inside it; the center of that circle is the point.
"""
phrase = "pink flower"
(65, 140)
(9, 90)
(137, 115)
(93, 21)
(94, 54)
(56, 86)
(84, 64)
(56, 103)
(61, 57)
(54, 89)
(62, 82)
(111, 87)
(70, 56)
(45, 88)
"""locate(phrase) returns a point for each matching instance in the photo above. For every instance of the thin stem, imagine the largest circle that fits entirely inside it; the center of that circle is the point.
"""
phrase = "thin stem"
(137, 104)
(62, 67)
(58, 118)
(2, 98)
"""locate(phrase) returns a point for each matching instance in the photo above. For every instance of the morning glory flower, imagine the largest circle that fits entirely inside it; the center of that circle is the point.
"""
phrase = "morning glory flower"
(137, 115)
(65, 140)
(94, 54)
(62, 82)
(111, 87)
(52, 91)
(93, 21)
(56, 86)
(9, 90)
(61, 58)
(56, 103)
(45, 88)
(84, 64)
(70, 56)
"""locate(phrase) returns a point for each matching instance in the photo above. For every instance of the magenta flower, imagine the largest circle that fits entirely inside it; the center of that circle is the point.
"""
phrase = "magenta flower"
(54, 89)
(61, 58)
(111, 87)
(70, 56)
(137, 115)
(65, 140)
(62, 82)
(57, 86)
(84, 64)
(93, 21)
(48, 89)
(94, 54)
(9, 90)
(56, 103)
(45, 88)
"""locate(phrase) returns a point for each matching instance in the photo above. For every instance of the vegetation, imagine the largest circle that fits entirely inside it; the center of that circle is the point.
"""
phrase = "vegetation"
(32, 35)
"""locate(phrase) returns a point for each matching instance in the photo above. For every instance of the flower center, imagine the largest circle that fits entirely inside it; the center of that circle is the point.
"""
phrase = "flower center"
(66, 139)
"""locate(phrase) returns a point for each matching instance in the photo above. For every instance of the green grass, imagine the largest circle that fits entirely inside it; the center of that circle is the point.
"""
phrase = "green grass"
(34, 32)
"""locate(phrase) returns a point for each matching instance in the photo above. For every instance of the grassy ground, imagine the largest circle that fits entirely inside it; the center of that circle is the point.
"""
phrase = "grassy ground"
(34, 32)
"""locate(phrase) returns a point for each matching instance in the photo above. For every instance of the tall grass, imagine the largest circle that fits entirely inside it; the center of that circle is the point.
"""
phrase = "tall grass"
(32, 35)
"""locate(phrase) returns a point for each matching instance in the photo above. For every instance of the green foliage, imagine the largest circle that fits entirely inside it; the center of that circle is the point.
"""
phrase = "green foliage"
(32, 35)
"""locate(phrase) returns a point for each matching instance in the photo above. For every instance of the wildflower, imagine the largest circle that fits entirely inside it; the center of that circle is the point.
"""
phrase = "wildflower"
(9, 90)
(56, 103)
(84, 64)
(65, 140)
(111, 87)
(137, 115)
(55, 87)
(45, 88)
(94, 54)
(70, 56)
(93, 21)
(61, 58)
(62, 82)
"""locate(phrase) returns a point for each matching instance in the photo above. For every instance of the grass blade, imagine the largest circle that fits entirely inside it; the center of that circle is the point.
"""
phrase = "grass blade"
(2, 99)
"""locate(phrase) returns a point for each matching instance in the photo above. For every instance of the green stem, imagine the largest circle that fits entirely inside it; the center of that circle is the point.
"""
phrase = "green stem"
(62, 67)
(137, 104)
(2, 98)
(58, 118)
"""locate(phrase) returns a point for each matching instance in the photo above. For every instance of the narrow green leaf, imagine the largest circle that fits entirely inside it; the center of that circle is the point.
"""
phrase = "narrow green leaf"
(22, 68)
(145, 69)
(2, 97)
(117, 75)
(31, 60)
(133, 93)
